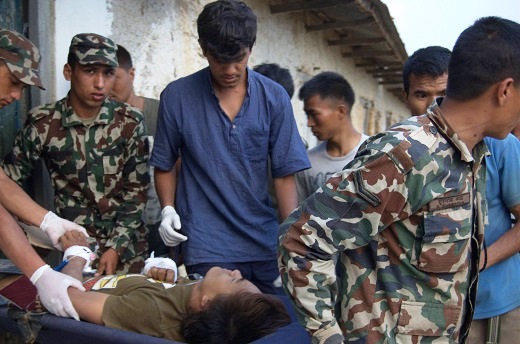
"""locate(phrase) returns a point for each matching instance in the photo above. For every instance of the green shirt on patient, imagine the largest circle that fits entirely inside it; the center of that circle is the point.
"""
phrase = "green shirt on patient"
(140, 304)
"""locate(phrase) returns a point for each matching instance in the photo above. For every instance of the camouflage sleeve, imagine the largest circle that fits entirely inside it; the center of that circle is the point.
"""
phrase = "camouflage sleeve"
(18, 163)
(344, 214)
(136, 182)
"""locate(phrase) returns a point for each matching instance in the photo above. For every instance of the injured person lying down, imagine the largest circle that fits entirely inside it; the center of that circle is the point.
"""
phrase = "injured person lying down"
(222, 307)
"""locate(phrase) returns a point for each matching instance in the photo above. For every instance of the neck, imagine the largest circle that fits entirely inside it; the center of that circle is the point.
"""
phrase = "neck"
(341, 145)
(194, 304)
(468, 119)
(136, 101)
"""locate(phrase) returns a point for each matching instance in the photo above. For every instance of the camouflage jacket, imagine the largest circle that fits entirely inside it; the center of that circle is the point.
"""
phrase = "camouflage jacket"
(99, 172)
(404, 221)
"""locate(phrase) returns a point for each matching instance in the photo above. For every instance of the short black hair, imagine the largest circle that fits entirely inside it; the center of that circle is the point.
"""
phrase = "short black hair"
(226, 28)
(278, 74)
(124, 58)
(236, 319)
(484, 54)
(328, 85)
(431, 61)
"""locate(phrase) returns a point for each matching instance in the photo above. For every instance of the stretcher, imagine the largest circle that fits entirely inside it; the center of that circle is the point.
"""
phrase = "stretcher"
(45, 328)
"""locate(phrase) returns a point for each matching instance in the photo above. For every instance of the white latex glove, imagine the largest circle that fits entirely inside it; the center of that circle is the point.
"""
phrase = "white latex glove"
(52, 288)
(161, 263)
(55, 227)
(171, 220)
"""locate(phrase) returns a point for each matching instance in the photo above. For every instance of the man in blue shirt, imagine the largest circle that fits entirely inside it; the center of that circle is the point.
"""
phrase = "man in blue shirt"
(225, 121)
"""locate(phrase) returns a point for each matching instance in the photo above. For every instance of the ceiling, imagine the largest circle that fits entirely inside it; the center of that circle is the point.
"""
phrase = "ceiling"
(364, 31)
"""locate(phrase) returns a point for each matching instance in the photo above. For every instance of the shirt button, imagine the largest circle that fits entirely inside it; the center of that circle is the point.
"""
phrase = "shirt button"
(433, 130)
(234, 126)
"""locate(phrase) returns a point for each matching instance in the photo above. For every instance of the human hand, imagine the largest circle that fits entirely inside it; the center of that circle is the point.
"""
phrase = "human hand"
(169, 233)
(55, 227)
(108, 262)
(52, 288)
(72, 238)
(161, 269)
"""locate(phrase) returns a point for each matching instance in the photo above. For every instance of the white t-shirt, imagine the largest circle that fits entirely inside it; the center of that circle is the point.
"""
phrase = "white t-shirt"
(323, 167)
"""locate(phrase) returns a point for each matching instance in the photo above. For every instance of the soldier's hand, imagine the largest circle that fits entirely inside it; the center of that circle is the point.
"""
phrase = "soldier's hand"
(170, 224)
(108, 262)
(162, 274)
(72, 238)
(55, 227)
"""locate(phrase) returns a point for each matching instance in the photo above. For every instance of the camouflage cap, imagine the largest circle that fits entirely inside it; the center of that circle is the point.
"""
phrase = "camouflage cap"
(21, 57)
(91, 48)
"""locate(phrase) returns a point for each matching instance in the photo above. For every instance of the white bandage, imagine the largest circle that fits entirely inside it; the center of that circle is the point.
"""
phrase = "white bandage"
(79, 251)
(160, 263)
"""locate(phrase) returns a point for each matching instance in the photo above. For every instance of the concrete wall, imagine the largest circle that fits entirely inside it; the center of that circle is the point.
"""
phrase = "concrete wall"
(161, 35)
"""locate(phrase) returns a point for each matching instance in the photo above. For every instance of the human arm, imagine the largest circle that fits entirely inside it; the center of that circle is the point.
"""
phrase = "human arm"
(165, 185)
(507, 245)
(286, 194)
(335, 218)
(52, 286)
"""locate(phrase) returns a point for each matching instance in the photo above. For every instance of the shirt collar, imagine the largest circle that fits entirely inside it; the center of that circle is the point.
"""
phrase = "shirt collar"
(434, 113)
(70, 118)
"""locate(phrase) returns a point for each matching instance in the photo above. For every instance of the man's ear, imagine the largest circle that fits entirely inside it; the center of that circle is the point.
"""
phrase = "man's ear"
(131, 71)
(202, 48)
(67, 71)
(405, 98)
(343, 109)
(205, 301)
(504, 90)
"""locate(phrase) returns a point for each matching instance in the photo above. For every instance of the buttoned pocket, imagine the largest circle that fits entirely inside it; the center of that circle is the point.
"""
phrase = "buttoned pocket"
(445, 245)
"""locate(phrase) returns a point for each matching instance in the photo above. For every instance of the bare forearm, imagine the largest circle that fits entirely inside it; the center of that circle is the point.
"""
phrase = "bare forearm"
(89, 305)
(165, 186)
(507, 245)
(17, 202)
(15, 246)
(286, 194)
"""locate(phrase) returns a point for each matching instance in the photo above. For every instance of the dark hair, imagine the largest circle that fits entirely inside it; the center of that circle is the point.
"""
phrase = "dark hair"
(123, 58)
(277, 74)
(484, 54)
(236, 319)
(328, 85)
(431, 61)
(226, 28)
(72, 59)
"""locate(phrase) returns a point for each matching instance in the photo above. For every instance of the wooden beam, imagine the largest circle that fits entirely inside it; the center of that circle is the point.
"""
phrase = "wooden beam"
(386, 75)
(391, 82)
(356, 41)
(368, 53)
(379, 64)
(300, 6)
(383, 70)
(339, 24)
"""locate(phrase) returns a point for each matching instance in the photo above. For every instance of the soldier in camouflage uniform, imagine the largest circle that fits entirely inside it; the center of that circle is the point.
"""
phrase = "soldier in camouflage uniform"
(405, 219)
(96, 152)
(19, 63)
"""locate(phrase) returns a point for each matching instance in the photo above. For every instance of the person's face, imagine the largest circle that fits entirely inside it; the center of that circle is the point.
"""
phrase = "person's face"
(10, 87)
(89, 86)
(123, 85)
(228, 75)
(324, 116)
(222, 281)
(423, 91)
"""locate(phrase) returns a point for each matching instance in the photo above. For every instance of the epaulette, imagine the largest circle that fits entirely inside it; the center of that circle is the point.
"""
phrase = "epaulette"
(41, 111)
(414, 146)
(129, 111)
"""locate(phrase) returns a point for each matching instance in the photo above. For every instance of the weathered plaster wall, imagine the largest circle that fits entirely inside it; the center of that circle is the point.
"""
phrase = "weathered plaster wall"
(161, 35)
